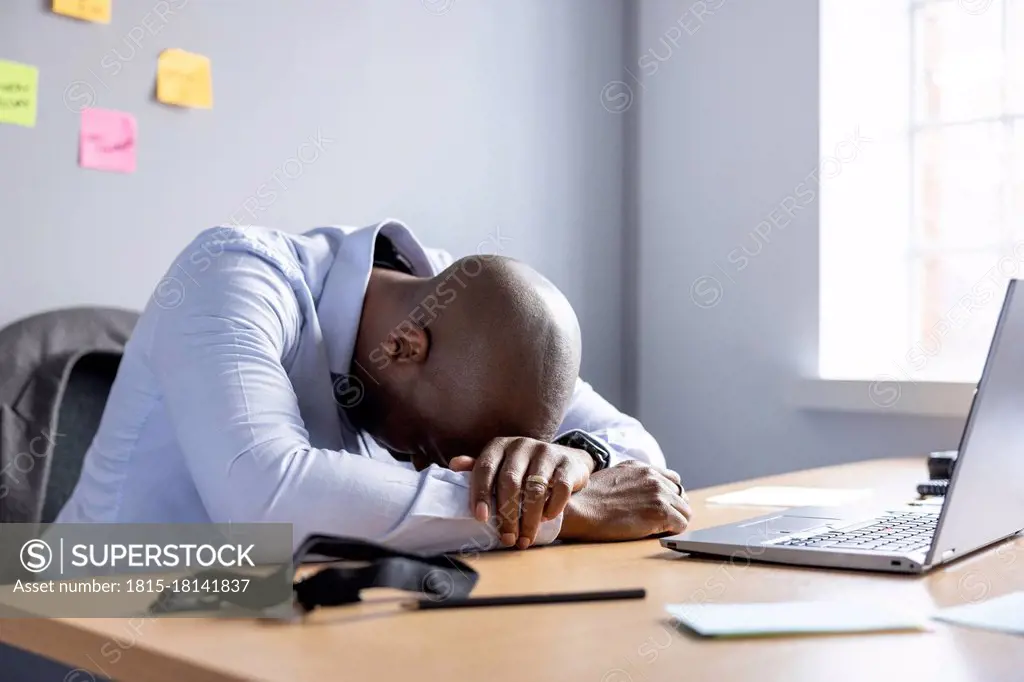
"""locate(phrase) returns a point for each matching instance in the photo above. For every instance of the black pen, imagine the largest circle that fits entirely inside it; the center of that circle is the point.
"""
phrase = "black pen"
(525, 599)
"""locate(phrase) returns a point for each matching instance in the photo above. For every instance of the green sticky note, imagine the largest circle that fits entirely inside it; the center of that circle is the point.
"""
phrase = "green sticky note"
(19, 93)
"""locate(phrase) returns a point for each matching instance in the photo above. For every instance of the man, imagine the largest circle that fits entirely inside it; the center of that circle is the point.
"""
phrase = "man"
(452, 378)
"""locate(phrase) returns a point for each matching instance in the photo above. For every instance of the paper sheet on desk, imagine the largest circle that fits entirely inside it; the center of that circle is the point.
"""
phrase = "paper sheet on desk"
(1003, 614)
(791, 496)
(793, 618)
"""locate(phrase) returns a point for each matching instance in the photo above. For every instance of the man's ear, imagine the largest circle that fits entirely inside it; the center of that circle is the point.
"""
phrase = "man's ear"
(408, 342)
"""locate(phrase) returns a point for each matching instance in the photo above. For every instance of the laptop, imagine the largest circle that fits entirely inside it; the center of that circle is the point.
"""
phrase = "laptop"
(984, 502)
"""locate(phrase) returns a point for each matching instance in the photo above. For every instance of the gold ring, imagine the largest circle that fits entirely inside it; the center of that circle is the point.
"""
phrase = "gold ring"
(538, 480)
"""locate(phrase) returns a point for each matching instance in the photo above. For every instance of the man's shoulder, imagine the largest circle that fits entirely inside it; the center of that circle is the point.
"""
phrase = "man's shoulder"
(278, 247)
(243, 235)
(288, 251)
(242, 271)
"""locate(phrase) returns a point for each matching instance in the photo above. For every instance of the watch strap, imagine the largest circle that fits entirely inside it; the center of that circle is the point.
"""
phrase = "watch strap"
(581, 440)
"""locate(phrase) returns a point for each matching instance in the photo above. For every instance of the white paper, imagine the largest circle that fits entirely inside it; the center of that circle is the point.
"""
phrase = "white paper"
(791, 496)
(928, 502)
(795, 618)
(1004, 614)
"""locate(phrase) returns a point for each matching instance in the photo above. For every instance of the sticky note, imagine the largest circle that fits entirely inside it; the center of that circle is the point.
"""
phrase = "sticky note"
(19, 93)
(184, 78)
(107, 140)
(88, 10)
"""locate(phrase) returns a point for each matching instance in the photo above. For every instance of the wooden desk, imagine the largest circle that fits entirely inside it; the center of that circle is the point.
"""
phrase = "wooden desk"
(610, 642)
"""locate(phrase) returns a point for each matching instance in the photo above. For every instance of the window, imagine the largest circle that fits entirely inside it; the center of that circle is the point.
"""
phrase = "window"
(920, 232)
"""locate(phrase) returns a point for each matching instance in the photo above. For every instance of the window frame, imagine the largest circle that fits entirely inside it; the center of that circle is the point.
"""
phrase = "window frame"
(912, 396)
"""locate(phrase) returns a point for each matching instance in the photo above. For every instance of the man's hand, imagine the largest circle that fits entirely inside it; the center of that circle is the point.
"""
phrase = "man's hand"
(627, 502)
(531, 480)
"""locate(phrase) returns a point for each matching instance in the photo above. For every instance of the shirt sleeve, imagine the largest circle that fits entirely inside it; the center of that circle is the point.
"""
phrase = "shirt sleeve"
(217, 358)
(624, 435)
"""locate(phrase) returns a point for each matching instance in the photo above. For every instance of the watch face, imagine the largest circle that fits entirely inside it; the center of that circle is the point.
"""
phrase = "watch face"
(573, 439)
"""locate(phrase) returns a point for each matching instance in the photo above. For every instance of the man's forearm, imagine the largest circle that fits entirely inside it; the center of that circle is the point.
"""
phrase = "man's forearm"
(628, 501)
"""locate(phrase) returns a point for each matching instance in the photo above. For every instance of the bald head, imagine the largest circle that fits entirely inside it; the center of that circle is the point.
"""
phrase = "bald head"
(487, 348)
(508, 339)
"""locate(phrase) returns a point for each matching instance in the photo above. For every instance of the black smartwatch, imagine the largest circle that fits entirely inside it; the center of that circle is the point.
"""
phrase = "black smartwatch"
(581, 440)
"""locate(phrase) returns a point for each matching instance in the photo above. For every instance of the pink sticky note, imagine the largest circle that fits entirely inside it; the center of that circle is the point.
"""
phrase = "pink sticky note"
(107, 140)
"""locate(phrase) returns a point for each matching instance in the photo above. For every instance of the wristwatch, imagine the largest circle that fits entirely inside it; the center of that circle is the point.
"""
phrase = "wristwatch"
(581, 440)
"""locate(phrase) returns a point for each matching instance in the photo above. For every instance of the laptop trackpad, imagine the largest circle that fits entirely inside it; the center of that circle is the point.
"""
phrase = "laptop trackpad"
(787, 525)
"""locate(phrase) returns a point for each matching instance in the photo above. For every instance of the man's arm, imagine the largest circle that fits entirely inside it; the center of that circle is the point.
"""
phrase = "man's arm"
(626, 437)
(636, 497)
(218, 360)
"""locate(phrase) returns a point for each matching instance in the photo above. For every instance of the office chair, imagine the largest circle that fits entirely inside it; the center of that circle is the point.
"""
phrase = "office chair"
(78, 418)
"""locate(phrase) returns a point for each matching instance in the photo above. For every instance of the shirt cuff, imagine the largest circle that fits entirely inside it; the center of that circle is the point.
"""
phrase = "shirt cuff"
(615, 457)
(549, 531)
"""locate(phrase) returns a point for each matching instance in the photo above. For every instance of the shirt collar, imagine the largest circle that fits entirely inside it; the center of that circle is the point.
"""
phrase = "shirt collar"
(341, 304)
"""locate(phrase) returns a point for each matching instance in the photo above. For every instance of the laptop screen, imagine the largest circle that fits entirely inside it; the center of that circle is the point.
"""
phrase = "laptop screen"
(985, 499)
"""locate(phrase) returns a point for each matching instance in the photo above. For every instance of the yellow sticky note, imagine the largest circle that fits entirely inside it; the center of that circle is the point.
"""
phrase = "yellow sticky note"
(19, 93)
(87, 10)
(184, 78)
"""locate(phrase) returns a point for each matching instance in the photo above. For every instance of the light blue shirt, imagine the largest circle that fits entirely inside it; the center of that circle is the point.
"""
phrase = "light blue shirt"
(223, 407)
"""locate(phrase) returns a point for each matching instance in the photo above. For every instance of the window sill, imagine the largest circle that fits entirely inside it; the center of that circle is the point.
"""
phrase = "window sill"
(918, 398)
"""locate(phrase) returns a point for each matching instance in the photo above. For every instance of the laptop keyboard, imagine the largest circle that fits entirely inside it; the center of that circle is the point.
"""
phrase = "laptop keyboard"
(894, 532)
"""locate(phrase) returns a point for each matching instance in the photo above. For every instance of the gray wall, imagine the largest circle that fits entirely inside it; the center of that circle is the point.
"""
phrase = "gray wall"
(474, 120)
(468, 119)
(727, 115)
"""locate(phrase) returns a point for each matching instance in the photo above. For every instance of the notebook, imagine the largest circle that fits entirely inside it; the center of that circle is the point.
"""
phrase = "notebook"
(1002, 614)
(794, 618)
